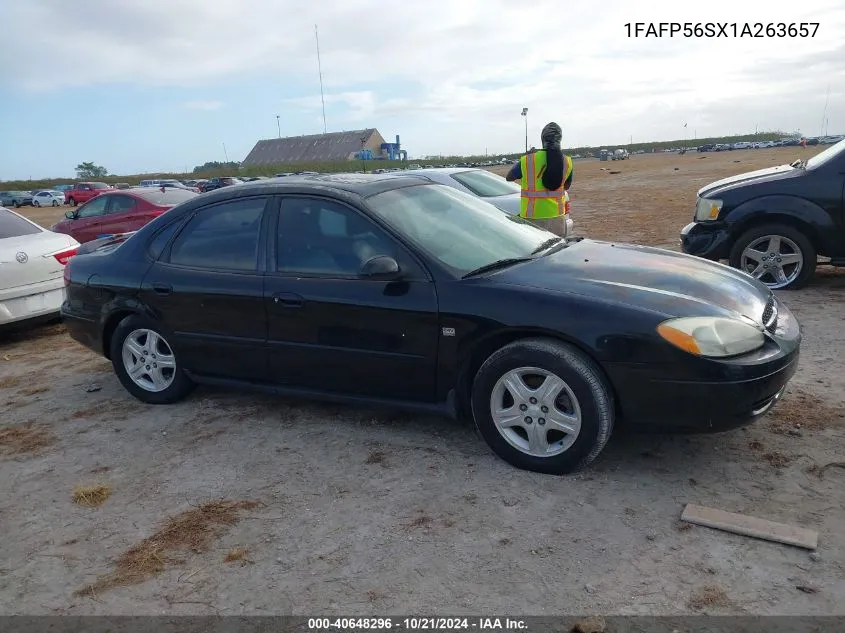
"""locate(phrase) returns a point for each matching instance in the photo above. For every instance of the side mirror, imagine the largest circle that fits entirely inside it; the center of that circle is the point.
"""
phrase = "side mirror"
(381, 268)
(70, 215)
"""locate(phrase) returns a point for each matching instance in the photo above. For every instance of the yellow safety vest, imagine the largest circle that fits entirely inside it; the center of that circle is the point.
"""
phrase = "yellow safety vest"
(536, 201)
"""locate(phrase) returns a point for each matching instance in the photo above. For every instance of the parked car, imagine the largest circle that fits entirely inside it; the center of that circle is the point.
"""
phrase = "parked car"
(119, 211)
(774, 223)
(485, 185)
(408, 293)
(121, 185)
(175, 184)
(47, 198)
(15, 198)
(82, 192)
(32, 262)
(217, 183)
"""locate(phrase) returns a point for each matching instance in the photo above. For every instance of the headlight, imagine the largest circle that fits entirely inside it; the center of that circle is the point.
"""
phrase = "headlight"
(707, 209)
(712, 336)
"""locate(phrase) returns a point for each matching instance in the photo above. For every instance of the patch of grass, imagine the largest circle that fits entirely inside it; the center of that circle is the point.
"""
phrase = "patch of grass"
(708, 596)
(108, 409)
(91, 496)
(10, 382)
(28, 438)
(421, 522)
(100, 469)
(236, 554)
(375, 596)
(801, 409)
(192, 530)
(31, 391)
(376, 457)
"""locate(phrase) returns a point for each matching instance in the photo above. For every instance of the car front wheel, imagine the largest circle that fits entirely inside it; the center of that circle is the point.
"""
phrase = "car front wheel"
(543, 406)
(145, 363)
(35, 203)
(780, 256)
(72, 202)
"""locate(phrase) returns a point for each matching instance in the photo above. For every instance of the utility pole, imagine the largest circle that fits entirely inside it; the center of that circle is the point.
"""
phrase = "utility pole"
(279, 126)
(225, 153)
(320, 72)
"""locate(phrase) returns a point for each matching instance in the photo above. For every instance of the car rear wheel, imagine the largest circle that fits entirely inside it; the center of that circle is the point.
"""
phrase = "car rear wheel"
(145, 363)
(780, 256)
(543, 406)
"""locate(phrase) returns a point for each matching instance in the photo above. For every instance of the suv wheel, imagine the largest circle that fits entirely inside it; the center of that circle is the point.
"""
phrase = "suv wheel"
(542, 406)
(72, 202)
(778, 255)
(145, 363)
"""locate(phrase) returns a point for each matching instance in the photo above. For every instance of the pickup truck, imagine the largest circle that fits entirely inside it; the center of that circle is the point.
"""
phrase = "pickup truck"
(83, 191)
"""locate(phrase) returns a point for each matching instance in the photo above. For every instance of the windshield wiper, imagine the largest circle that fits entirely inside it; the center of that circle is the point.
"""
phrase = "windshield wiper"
(499, 263)
(547, 244)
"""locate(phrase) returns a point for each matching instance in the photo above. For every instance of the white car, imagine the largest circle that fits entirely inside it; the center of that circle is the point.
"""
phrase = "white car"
(483, 184)
(48, 198)
(32, 264)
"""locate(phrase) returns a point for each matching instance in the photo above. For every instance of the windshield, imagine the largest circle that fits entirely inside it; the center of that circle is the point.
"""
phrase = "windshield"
(460, 231)
(822, 157)
(485, 184)
(99, 185)
(12, 225)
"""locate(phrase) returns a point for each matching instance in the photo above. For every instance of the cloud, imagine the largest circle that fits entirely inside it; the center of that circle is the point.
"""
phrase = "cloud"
(203, 105)
(449, 73)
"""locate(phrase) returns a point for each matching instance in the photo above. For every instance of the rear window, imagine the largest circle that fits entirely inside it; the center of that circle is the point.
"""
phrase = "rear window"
(485, 184)
(12, 225)
(168, 196)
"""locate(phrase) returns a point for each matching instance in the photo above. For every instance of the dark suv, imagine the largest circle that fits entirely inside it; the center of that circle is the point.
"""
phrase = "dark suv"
(774, 223)
(217, 183)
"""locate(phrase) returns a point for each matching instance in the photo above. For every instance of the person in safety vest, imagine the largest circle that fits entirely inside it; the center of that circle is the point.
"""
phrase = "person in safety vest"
(545, 176)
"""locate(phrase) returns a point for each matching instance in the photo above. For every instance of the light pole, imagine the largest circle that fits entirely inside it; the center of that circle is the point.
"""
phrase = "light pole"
(525, 114)
(279, 125)
(363, 164)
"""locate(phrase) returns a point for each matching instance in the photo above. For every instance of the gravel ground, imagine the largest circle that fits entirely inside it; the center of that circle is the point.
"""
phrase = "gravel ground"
(237, 503)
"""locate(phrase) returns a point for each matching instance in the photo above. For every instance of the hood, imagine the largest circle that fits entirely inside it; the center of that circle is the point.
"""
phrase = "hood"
(672, 284)
(759, 175)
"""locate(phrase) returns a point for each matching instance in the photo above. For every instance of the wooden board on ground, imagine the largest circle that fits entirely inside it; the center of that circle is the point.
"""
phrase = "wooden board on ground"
(750, 526)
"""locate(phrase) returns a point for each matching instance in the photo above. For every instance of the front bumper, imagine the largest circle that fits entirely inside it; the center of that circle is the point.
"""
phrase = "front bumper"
(709, 240)
(708, 395)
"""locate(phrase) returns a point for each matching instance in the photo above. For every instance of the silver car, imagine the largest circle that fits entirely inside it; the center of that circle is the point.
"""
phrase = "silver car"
(480, 183)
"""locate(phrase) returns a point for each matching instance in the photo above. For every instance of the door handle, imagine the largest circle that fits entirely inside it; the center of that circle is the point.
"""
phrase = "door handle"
(162, 289)
(289, 300)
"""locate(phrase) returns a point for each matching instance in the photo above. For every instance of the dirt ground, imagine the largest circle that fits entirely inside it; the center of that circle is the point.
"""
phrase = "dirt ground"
(236, 503)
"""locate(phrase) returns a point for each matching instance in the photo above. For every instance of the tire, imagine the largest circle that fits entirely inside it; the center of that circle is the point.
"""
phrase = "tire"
(17, 204)
(35, 203)
(55, 203)
(792, 240)
(72, 202)
(580, 377)
(175, 384)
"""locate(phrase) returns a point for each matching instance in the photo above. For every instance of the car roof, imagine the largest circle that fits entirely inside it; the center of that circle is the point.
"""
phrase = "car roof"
(363, 185)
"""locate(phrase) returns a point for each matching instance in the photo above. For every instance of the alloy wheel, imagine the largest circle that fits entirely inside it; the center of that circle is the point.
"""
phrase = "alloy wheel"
(535, 411)
(773, 259)
(148, 360)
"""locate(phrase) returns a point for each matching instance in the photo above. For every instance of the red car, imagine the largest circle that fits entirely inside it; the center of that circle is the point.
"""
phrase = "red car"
(119, 211)
(82, 192)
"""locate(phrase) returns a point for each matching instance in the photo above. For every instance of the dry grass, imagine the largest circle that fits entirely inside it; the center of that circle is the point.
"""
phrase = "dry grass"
(109, 409)
(10, 382)
(31, 391)
(376, 457)
(802, 410)
(91, 496)
(708, 596)
(236, 554)
(192, 531)
(421, 522)
(29, 438)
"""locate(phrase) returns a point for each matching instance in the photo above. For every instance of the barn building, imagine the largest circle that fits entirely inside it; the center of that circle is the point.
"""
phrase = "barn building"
(318, 148)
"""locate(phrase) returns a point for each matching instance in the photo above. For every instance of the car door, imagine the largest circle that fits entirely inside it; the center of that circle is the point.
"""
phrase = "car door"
(121, 215)
(207, 288)
(330, 329)
(89, 219)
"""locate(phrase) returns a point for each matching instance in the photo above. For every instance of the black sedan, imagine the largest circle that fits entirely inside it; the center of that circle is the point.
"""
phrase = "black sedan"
(401, 292)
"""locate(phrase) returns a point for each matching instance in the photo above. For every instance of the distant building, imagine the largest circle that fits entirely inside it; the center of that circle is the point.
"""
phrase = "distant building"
(315, 148)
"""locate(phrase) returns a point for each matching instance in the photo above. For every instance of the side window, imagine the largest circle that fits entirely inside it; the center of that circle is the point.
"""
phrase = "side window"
(222, 236)
(162, 238)
(84, 188)
(122, 204)
(322, 237)
(96, 207)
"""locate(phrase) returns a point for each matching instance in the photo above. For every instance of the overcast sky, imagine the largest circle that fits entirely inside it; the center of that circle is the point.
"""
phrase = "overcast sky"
(149, 85)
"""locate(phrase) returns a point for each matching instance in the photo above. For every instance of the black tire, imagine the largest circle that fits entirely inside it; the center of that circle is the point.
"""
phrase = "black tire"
(583, 377)
(72, 202)
(55, 203)
(177, 390)
(808, 251)
(35, 203)
(17, 204)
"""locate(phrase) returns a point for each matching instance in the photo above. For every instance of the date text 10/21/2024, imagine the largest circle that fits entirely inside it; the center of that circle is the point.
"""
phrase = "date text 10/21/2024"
(721, 29)
(417, 623)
